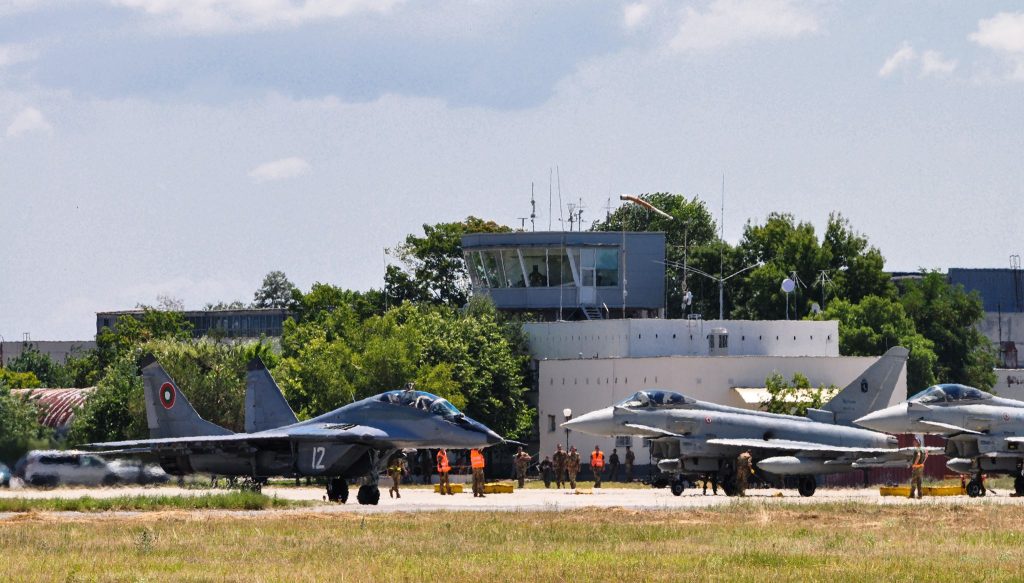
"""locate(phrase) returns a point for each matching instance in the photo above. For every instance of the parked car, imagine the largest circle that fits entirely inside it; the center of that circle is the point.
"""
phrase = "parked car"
(48, 468)
(5, 476)
(132, 471)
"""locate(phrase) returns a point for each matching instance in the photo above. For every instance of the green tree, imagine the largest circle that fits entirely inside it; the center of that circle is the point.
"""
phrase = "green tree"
(18, 380)
(796, 396)
(49, 372)
(115, 410)
(275, 292)
(948, 317)
(20, 429)
(434, 270)
(129, 333)
(691, 236)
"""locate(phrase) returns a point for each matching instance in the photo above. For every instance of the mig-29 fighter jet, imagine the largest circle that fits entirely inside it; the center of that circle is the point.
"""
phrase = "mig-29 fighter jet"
(694, 438)
(984, 433)
(354, 441)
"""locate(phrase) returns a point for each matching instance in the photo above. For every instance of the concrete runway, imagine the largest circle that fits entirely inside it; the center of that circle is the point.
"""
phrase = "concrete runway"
(423, 500)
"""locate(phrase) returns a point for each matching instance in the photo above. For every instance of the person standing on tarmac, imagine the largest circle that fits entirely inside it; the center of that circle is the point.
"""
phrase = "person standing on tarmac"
(476, 461)
(613, 465)
(744, 467)
(597, 465)
(572, 466)
(396, 469)
(443, 485)
(522, 461)
(559, 460)
(547, 471)
(713, 478)
(630, 460)
(917, 468)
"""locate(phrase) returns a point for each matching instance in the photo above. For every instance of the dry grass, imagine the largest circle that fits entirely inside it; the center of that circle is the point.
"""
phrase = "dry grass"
(741, 541)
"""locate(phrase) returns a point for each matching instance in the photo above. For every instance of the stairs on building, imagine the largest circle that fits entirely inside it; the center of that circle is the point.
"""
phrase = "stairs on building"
(592, 312)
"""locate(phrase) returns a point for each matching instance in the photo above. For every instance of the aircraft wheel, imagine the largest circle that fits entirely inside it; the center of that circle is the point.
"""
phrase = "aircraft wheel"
(678, 487)
(974, 489)
(337, 490)
(806, 486)
(1018, 486)
(729, 487)
(368, 495)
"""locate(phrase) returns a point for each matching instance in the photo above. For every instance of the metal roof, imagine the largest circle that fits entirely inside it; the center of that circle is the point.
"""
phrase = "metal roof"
(1000, 289)
(56, 406)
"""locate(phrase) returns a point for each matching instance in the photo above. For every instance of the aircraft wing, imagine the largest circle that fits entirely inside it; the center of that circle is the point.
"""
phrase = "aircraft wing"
(791, 445)
(950, 427)
(648, 431)
(331, 432)
(1015, 438)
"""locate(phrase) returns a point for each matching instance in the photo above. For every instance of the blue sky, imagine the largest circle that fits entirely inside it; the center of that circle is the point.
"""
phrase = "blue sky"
(188, 147)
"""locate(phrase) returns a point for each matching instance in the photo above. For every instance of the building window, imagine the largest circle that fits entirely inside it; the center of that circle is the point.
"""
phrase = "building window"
(723, 341)
(551, 423)
(608, 268)
(623, 441)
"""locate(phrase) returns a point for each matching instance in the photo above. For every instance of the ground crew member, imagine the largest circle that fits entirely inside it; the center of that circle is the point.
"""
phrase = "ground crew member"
(522, 461)
(744, 468)
(572, 466)
(547, 472)
(630, 459)
(917, 468)
(396, 469)
(559, 460)
(613, 465)
(476, 461)
(425, 466)
(443, 485)
(597, 465)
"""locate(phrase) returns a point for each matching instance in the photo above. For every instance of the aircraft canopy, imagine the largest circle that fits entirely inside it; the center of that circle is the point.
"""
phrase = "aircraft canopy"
(655, 399)
(421, 400)
(948, 394)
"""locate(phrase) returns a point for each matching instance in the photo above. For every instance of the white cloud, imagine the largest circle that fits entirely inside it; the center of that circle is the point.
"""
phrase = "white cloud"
(1004, 34)
(12, 54)
(209, 16)
(28, 120)
(934, 64)
(635, 14)
(280, 169)
(903, 57)
(728, 22)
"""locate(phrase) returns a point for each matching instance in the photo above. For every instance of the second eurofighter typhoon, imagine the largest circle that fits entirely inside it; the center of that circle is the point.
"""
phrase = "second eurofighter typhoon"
(354, 441)
(695, 438)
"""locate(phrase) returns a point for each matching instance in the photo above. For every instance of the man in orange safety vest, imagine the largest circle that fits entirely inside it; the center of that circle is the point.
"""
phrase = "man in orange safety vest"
(476, 460)
(597, 465)
(443, 485)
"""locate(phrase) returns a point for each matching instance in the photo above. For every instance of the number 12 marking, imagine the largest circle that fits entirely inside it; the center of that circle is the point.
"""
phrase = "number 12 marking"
(318, 457)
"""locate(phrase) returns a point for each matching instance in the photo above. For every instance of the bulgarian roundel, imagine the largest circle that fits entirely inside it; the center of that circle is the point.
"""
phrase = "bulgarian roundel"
(167, 394)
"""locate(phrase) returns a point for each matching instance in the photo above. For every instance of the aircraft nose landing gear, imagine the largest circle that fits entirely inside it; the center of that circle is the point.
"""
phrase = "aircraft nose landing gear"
(337, 490)
(806, 486)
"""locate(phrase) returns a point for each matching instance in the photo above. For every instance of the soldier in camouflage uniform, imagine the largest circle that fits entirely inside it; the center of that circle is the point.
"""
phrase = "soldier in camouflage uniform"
(396, 469)
(522, 461)
(572, 466)
(744, 467)
(559, 460)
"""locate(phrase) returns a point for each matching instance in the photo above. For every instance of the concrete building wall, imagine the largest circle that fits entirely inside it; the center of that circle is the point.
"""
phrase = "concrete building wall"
(58, 350)
(585, 385)
(656, 337)
(1009, 383)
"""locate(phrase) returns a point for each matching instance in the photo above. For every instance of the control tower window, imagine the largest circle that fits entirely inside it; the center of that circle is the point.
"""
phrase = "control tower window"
(608, 267)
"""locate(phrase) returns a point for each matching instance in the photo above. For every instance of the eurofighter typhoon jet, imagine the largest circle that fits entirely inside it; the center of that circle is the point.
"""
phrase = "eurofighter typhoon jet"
(984, 433)
(354, 441)
(693, 438)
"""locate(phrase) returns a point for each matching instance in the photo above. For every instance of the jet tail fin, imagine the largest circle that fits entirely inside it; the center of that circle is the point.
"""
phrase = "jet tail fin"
(871, 391)
(168, 412)
(265, 405)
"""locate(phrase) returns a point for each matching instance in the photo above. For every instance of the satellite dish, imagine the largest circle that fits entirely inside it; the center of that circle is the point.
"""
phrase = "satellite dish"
(815, 308)
(788, 285)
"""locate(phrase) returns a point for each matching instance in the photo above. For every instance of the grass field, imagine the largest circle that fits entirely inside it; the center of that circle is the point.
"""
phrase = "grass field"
(227, 501)
(740, 541)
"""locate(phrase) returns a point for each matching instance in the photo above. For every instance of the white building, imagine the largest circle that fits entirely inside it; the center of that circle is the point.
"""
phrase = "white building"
(584, 366)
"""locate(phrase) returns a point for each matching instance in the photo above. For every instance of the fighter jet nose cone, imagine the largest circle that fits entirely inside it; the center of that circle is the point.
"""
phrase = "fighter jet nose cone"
(594, 423)
(890, 420)
(494, 439)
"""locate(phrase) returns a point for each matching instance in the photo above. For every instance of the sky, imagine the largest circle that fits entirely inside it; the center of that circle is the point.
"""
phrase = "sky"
(187, 147)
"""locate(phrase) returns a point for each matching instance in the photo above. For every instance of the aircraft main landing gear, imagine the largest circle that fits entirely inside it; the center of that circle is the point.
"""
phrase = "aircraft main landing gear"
(806, 486)
(678, 485)
(337, 490)
(368, 494)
